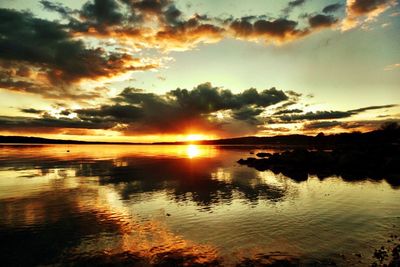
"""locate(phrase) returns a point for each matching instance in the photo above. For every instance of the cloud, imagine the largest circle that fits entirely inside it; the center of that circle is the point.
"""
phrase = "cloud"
(368, 124)
(47, 124)
(359, 110)
(160, 24)
(135, 111)
(392, 67)
(182, 109)
(99, 40)
(317, 125)
(291, 5)
(46, 45)
(361, 11)
(113, 113)
(102, 13)
(332, 8)
(148, 23)
(41, 57)
(31, 110)
(318, 115)
(322, 21)
(362, 125)
(248, 114)
(205, 108)
(96, 15)
(275, 30)
(324, 115)
(64, 11)
(288, 111)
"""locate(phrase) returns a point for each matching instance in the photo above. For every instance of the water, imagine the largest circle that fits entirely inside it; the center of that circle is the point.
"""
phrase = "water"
(92, 204)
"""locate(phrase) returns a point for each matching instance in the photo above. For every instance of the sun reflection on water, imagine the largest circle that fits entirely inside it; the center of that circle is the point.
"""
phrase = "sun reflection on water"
(192, 151)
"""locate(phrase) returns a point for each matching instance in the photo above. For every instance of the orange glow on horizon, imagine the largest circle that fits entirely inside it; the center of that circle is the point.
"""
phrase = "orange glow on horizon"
(195, 137)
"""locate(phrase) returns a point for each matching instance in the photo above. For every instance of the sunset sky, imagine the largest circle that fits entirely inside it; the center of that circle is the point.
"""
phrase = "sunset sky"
(163, 70)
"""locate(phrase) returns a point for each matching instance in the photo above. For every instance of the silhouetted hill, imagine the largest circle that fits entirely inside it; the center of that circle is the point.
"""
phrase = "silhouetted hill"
(39, 140)
(389, 133)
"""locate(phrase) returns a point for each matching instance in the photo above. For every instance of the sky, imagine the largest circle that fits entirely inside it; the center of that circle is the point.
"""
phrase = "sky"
(164, 70)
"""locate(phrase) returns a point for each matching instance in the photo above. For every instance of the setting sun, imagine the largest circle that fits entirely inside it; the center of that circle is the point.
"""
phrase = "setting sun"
(195, 137)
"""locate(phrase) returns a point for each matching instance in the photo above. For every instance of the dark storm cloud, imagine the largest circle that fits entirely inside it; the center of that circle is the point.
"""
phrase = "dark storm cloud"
(359, 12)
(64, 11)
(48, 46)
(102, 15)
(47, 57)
(102, 12)
(348, 125)
(369, 124)
(109, 18)
(318, 115)
(116, 113)
(332, 8)
(172, 15)
(31, 110)
(97, 14)
(362, 7)
(133, 20)
(291, 5)
(30, 39)
(32, 46)
(51, 124)
(248, 114)
(296, 3)
(182, 108)
(288, 111)
(170, 29)
(127, 19)
(279, 29)
(321, 125)
(134, 111)
(164, 10)
(322, 21)
(205, 98)
(373, 108)
(327, 115)
(150, 6)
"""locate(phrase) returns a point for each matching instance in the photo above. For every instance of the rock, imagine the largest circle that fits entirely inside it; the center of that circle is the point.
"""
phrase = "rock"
(348, 162)
(263, 155)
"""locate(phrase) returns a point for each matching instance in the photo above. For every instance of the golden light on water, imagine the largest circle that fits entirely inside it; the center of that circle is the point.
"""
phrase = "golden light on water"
(193, 151)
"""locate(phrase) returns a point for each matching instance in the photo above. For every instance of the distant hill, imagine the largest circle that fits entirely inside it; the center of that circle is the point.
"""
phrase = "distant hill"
(387, 134)
(39, 140)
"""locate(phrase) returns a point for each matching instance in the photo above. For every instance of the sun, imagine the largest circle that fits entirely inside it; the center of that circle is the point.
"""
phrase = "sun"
(194, 137)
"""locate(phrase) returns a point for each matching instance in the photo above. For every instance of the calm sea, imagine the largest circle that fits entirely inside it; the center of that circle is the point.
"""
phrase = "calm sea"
(143, 205)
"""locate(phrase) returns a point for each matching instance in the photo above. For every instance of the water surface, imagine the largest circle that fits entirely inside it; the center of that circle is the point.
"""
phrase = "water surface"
(92, 204)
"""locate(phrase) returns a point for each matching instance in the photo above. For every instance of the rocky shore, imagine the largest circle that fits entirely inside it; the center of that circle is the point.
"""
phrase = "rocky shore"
(375, 162)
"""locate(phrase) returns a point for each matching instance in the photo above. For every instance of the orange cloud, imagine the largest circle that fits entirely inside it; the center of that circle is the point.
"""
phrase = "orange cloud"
(361, 11)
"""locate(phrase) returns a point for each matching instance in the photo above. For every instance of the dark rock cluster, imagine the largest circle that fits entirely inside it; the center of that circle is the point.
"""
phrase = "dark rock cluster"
(351, 163)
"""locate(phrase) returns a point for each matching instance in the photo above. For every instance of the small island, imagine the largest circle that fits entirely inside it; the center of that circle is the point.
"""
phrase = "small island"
(374, 155)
